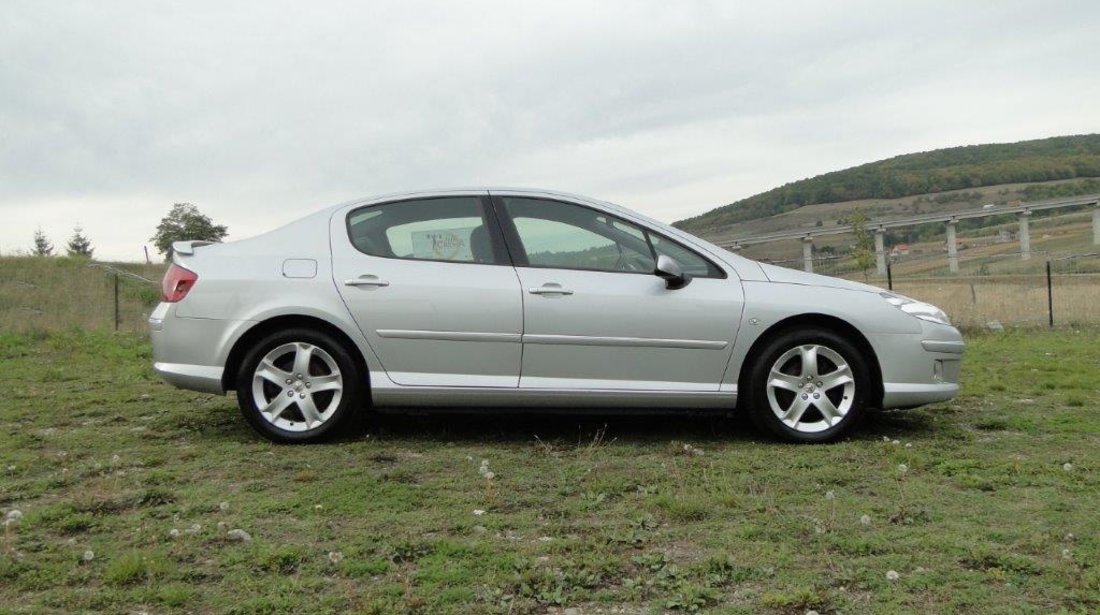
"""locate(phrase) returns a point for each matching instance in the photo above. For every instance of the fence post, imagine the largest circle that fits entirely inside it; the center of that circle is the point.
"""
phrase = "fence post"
(118, 317)
(1050, 298)
(889, 276)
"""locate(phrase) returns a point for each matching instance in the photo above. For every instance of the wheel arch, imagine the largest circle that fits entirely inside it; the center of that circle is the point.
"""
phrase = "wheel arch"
(288, 321)
(825, 321)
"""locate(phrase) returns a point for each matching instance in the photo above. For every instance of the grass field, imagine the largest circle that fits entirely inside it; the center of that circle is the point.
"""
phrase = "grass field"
(128, 492)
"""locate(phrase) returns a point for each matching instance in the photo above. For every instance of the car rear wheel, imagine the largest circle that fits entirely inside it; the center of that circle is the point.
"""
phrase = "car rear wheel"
(808, 385)
(299, 385)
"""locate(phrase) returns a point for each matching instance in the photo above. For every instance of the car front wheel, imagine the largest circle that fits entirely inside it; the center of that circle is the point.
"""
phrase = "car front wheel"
(298, 385)
(808, 385)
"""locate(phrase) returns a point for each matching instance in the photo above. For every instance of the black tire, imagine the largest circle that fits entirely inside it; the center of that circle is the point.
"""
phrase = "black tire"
(755, 395)
(339, 418)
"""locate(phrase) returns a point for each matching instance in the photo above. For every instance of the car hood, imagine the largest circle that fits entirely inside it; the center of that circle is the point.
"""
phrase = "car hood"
(784, 275)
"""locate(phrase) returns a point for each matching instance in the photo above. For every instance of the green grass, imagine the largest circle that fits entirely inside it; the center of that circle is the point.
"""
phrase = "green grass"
(607, 515)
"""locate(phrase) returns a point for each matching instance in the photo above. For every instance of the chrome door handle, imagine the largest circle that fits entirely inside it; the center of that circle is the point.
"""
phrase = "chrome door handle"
(550, 290)
(367, 280)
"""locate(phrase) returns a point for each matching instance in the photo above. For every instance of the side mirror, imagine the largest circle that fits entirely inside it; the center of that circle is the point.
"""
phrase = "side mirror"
(669, 269)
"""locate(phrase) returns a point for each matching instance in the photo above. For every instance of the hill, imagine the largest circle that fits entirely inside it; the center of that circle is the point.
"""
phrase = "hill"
(953, 168)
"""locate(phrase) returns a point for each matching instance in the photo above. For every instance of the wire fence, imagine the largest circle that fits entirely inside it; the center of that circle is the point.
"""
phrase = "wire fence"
(988, 290)
(51, 294)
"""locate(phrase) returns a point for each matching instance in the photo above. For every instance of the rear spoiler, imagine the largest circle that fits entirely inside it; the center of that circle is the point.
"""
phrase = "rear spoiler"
(187, 248)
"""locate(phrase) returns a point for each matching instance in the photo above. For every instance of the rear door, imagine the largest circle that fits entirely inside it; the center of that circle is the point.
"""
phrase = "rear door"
(429, 283)
(596, 316)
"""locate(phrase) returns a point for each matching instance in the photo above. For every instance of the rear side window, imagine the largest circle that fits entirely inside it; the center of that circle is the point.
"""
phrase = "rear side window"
(453, 229)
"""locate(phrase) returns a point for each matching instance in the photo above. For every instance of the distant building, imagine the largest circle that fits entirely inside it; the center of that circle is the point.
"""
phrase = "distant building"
(901, 249)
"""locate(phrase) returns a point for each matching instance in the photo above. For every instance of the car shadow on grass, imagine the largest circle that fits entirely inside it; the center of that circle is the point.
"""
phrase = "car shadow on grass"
(582, 429)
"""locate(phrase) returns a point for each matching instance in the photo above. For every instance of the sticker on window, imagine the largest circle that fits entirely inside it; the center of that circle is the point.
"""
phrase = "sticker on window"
(443, 244)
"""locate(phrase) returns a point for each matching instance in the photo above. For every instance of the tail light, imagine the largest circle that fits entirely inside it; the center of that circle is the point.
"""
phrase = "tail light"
(177, 282)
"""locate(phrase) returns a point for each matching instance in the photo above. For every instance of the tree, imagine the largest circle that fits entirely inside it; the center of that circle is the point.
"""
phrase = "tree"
(864, 249)
(184, 222)
(42, 245)
(79, 245)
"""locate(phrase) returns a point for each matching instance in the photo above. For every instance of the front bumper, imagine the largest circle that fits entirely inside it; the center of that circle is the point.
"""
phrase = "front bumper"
(920, 368)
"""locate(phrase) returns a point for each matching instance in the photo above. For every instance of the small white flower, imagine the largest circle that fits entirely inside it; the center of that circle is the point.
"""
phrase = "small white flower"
(830, 495)
(812, 612)
(490, 476)
(15, 515)
(240, 535)
(11, 468)
(194, 529)
(115, 459)
(546, 539)
(318, 507)
(892, 575)
(1068, 467)
(885, 438)
(902, 468)
(478, 512)
(908, 445)
(88, 555)
(865, 520)
(224, 506)
(1067, 554)
(894, 442)
(1069, 537)
(335, 557)
(174, 533)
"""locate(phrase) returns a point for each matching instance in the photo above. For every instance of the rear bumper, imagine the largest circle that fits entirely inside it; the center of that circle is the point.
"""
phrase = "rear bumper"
(189, 352)
(204, 378)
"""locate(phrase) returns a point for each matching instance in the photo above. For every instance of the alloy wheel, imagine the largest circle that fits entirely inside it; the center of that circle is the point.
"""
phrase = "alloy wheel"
(810, 388)
(297, 386)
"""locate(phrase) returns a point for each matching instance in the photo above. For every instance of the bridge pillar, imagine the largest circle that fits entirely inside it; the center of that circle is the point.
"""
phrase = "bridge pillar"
(1025, 235)
(1096, 225)
(880, 251)
(808, 254)
(952, 248)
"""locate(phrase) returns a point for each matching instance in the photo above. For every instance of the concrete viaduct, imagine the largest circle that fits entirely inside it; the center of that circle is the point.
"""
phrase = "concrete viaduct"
(879, 228)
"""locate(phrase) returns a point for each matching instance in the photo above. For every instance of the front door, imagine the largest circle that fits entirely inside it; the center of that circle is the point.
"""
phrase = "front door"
(429, 284)
(596, 316)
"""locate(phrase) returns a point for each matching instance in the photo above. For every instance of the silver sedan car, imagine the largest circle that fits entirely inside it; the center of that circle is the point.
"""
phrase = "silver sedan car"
(532, 299)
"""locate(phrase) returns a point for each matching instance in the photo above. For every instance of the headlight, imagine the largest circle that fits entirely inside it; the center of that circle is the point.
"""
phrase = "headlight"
(923, 311)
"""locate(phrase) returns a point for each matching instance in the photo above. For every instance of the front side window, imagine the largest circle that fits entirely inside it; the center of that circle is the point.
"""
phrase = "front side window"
(569, 236)
(445, 229)
(563, 235)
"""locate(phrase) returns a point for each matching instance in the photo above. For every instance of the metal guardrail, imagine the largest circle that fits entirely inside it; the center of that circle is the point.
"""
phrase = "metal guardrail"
(1085, 200)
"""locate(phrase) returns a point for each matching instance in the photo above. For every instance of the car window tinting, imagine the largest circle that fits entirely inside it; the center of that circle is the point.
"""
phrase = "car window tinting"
(446, 229)
(556, 234)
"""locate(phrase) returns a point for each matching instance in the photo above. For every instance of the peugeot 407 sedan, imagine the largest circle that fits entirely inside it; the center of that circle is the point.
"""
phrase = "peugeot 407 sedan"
(532, 299)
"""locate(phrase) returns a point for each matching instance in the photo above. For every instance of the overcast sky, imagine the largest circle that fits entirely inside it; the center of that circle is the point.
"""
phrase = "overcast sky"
(260, 112)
